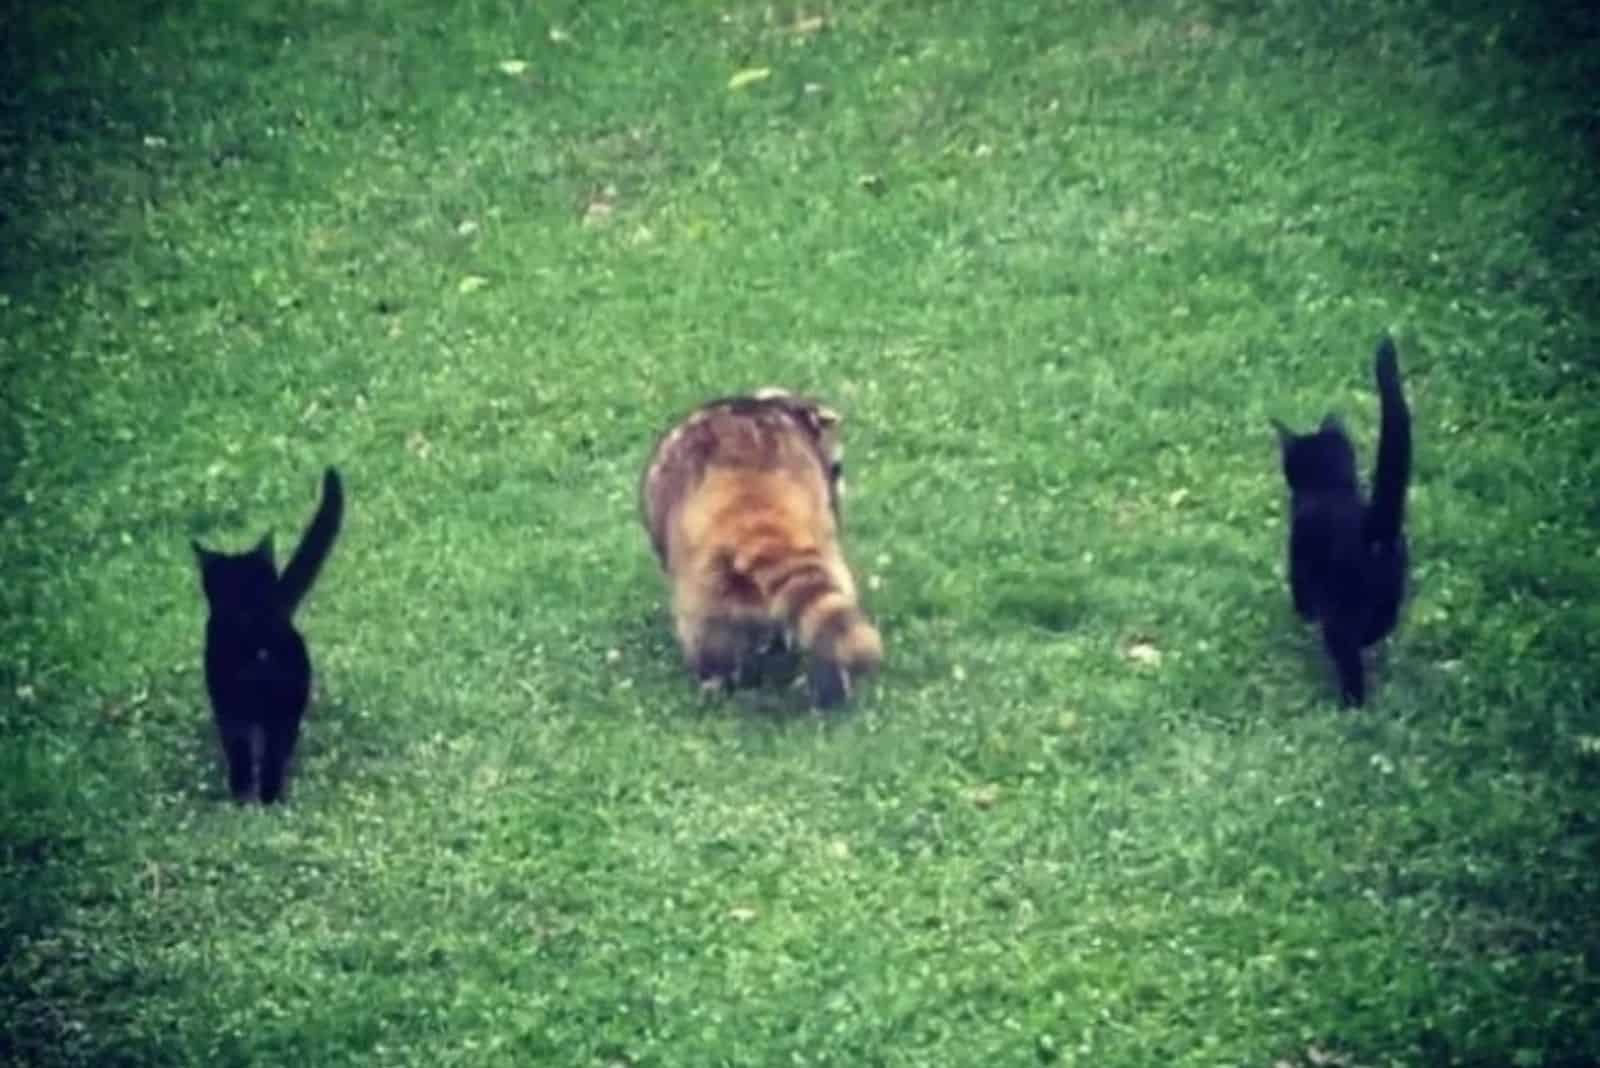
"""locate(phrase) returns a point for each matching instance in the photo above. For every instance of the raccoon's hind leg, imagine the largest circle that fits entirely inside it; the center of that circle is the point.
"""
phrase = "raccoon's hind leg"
(844, 646)
(716, 648)
(829, 683)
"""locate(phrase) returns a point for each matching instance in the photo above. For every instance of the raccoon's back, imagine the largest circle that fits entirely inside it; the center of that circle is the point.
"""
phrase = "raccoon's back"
(745, 437)
(748, 522)
(672, 474)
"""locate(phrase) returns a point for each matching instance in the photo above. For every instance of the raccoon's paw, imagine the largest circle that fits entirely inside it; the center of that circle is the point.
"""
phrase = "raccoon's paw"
(714, 665)
(829, 683)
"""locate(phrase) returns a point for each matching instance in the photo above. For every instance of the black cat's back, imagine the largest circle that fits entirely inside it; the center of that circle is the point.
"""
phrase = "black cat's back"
(1347, 554)
(257, 666)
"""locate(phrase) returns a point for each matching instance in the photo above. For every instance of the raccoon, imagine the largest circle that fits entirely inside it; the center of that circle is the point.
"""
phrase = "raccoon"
(741, 502)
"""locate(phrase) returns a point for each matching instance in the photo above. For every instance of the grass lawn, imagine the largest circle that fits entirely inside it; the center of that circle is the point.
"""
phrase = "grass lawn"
(1057, 264)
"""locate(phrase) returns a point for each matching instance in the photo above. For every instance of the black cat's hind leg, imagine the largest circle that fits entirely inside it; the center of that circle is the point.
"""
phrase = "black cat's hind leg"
(1300, 588)
(1387, 580)
(1343, 642)
(236, 747)
(275, 753)
(1302, 573)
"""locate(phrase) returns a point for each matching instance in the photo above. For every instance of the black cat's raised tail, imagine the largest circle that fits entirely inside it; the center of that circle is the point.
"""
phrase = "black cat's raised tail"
(1386, 511)
(301, 570)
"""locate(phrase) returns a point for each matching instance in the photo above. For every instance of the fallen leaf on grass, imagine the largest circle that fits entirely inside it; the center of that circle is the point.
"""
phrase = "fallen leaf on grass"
(600, 207)
(1321, 1058)
(1142, 651)
(513, 67)
(984, 796)
(807, 24)
(741, 914)
(471, 283)
(749, 76)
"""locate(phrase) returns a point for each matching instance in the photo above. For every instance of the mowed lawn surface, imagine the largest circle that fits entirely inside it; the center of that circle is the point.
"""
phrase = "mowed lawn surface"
(1057, 264)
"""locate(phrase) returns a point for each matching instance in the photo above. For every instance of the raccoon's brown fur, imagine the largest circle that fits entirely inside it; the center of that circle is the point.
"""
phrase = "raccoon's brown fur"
(741, 501)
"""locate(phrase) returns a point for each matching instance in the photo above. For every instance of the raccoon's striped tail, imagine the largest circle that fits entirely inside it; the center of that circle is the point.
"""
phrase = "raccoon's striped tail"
(825, 619)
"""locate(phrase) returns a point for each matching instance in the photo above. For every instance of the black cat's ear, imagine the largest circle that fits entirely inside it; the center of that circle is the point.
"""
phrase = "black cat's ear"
(264, 547)
(1331, 424)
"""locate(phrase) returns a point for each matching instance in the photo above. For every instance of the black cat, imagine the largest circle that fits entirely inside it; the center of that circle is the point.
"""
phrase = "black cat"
(1347, 556)
(257, 669)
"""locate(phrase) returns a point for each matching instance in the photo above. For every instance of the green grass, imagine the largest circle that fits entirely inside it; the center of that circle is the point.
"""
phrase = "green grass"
(1057, 264)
